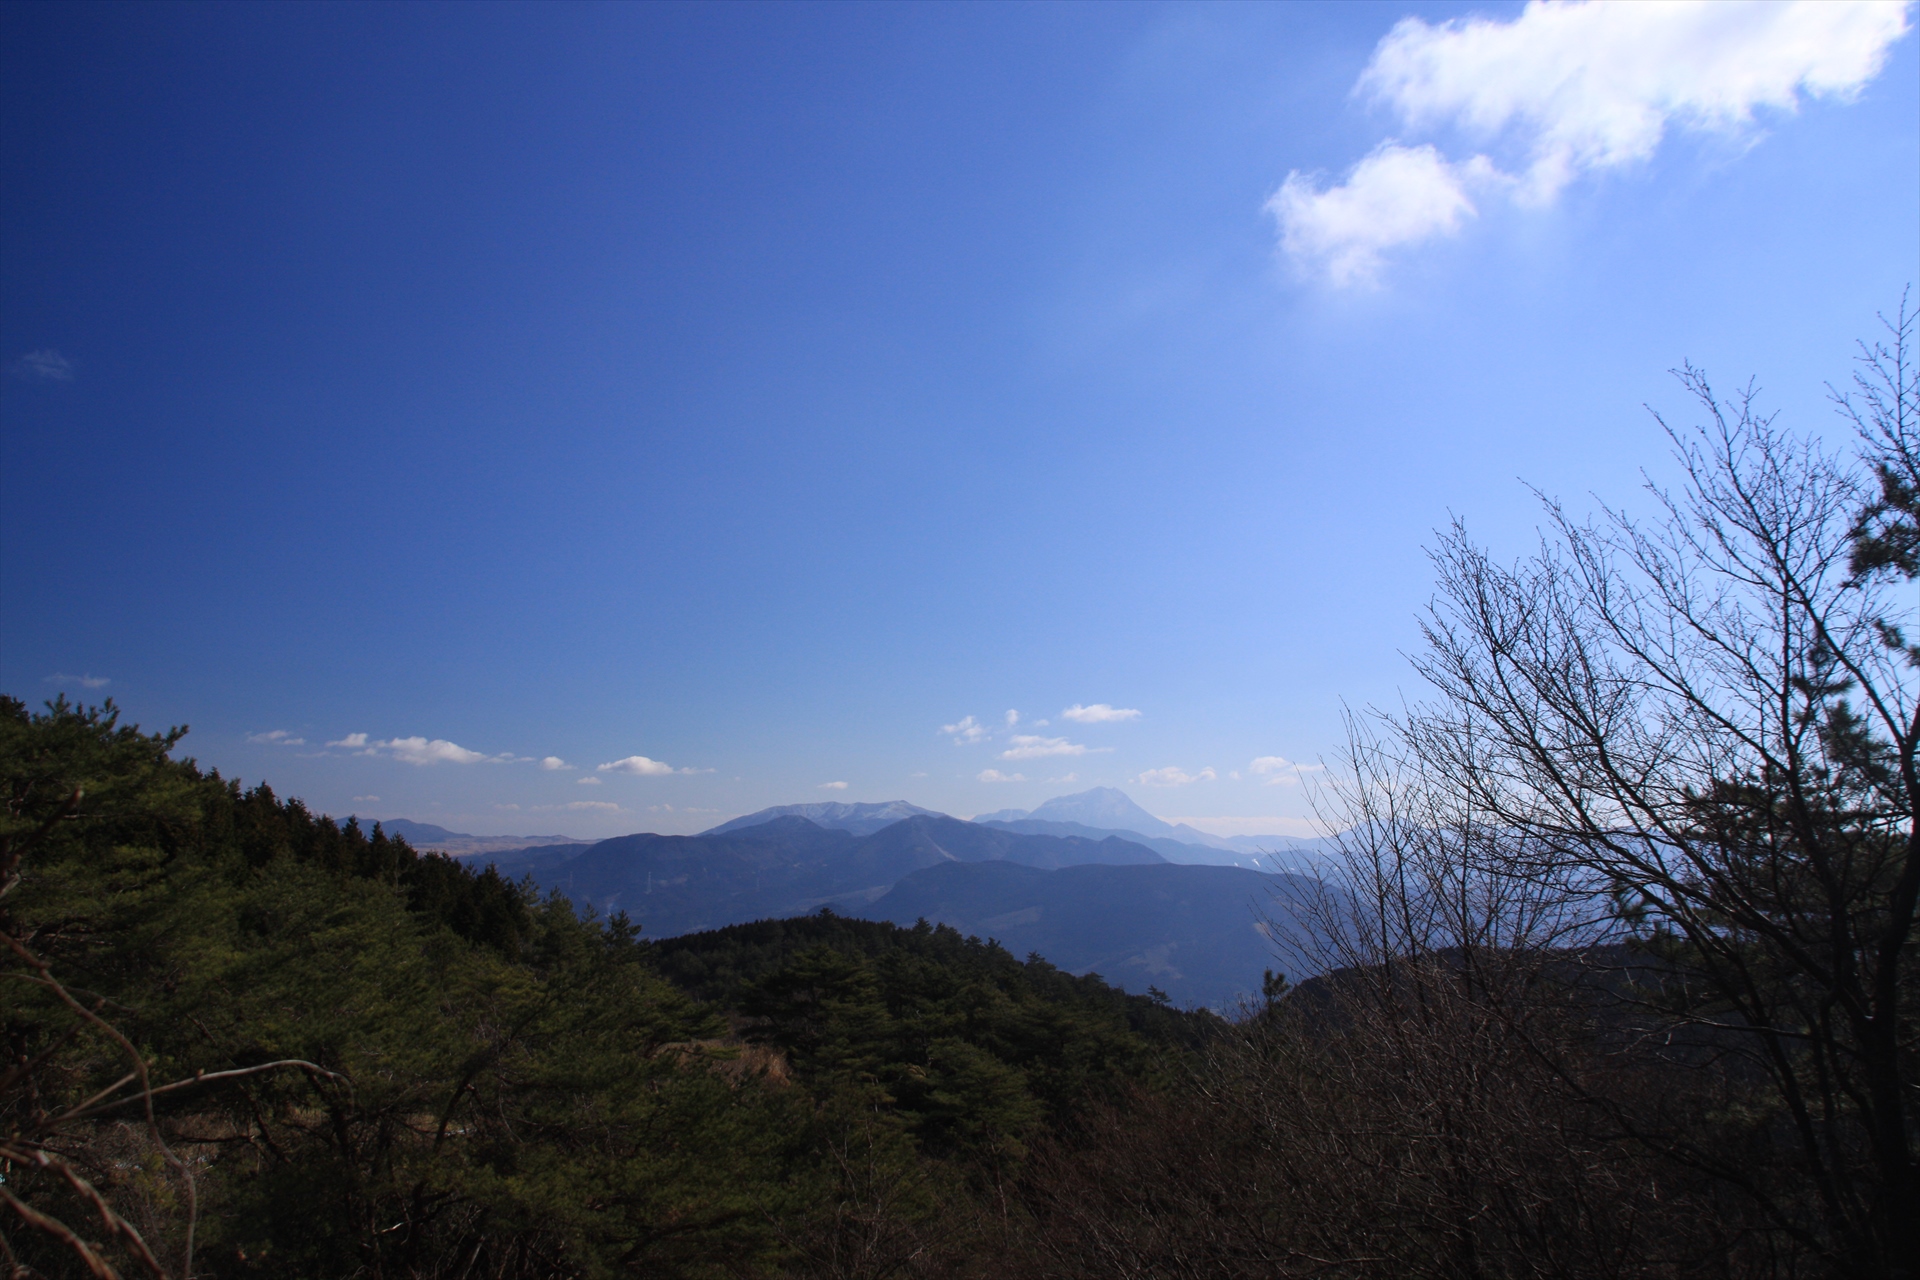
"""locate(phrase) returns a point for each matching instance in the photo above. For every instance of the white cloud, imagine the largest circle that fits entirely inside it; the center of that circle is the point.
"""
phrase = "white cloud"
(366, 799)
(45, 365)
(85, 682)
(1280, 771)
(1098, 713)
(1027, 746)
(994, 775)
(1174, 776)
(554, 764)
(424, 751)
(1584, 86)
(1397, 196)
(587, 782)
(1568, 87)
(966, 730)
(640, 766)
(278, 737)
(833, 786)
(1013, 718)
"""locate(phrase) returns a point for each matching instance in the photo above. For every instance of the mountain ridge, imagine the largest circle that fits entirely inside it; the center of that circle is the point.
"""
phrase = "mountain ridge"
(788, 866)
(858, 818)
(1111, 809)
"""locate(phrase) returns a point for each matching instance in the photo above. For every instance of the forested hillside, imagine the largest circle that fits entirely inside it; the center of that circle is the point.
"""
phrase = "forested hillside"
(366, 1061)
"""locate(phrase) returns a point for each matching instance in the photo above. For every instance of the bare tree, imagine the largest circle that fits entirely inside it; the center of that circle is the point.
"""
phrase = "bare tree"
(1702, 727)
(1615, 944)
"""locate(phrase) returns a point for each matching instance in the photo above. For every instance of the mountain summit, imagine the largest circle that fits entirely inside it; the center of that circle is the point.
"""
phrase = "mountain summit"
(1106, 807)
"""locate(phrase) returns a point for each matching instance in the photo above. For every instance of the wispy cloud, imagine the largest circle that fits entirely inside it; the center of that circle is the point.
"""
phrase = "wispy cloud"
(642, 767)
(833, 786)
(994, 775)
(1028, 746)
(1282, 772)
(554, 764)
(352, 742)
(366, 799)
(965, 730)
(44, 365)
(85, 682)
(277, 737)
(589, 781)
(1174, 776)
(1099, 713)
(1565, 89)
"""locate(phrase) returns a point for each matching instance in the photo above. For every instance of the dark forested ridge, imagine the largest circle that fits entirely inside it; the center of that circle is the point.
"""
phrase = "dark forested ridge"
(967, 1039)
(725, 964)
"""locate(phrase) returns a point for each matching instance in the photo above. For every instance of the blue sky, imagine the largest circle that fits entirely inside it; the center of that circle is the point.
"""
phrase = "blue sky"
(739, 395)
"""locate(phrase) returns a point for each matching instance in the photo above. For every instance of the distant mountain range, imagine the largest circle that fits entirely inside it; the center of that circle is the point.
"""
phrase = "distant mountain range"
(1093, 815)
(1108, 810)
(788, 866)
(1091, 881)
(860, 819)
(1171, 850)
(428, 837)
